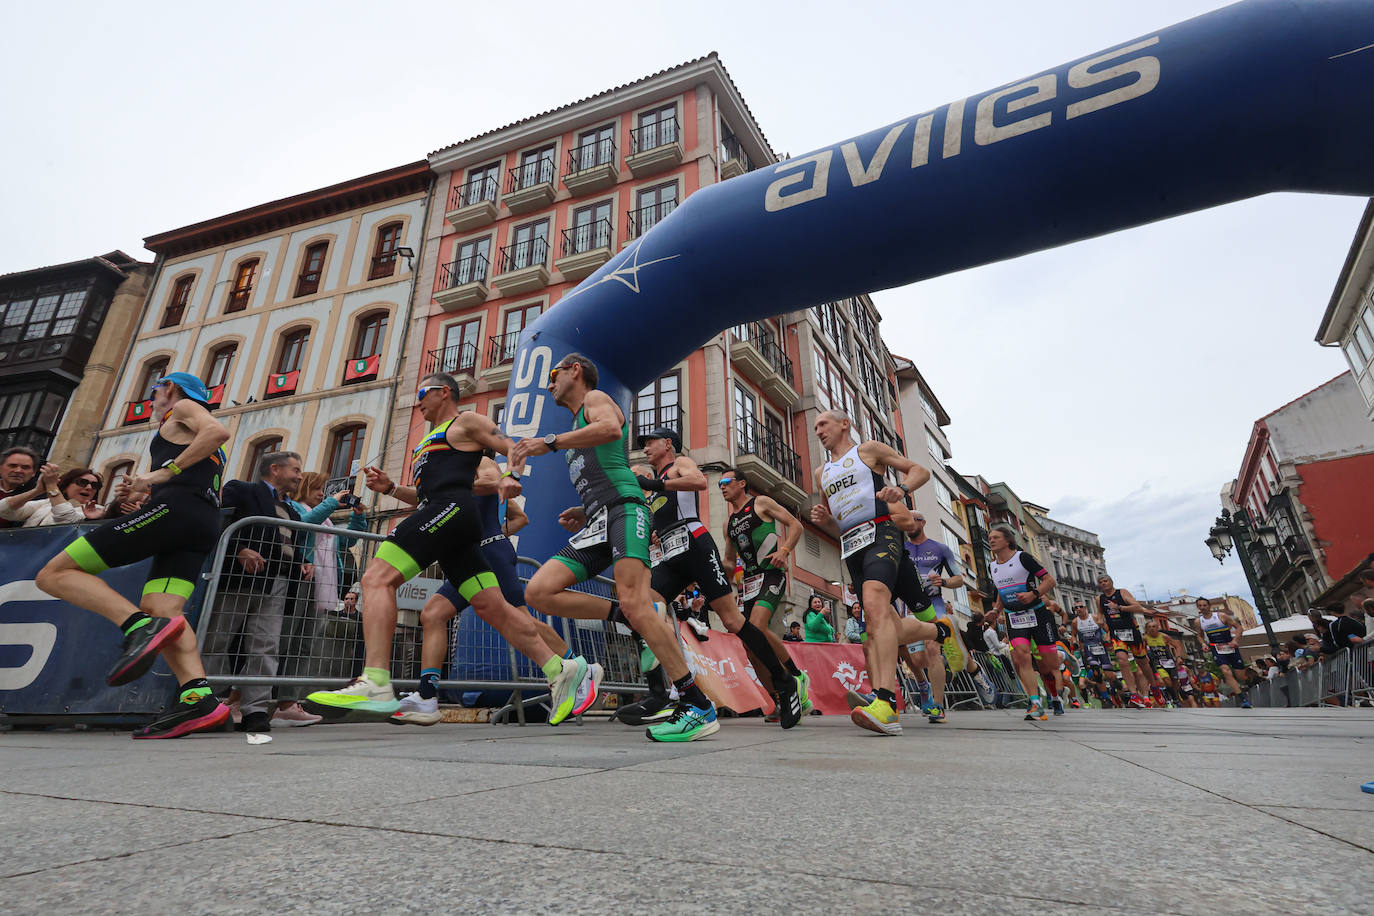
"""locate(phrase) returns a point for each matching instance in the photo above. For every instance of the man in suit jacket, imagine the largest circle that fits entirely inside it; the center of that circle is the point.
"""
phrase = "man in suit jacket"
(262, 561)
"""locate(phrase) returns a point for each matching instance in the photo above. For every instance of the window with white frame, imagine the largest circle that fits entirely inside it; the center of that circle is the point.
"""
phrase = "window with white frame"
(1359, 351)
(943, 496)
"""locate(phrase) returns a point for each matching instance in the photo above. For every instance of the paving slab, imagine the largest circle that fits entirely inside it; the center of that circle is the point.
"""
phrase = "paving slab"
(1144, 811)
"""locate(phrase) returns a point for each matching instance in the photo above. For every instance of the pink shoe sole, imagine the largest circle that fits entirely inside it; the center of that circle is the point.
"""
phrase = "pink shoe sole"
(136, 668)
(213, 720)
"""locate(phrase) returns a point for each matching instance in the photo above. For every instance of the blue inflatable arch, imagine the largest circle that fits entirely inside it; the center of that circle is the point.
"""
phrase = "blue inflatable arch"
(1261, 96)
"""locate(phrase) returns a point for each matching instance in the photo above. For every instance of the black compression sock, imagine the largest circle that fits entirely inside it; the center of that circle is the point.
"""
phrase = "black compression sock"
(792, 668)
(658, 681)
(887, 696)
(756, 642)
(688, 690)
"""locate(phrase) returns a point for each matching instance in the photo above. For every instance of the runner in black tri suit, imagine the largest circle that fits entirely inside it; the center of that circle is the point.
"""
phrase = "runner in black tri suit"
(177, 527)
(1118, 609)
(422, 706)
(446, 528)
(687, 553)
(762, 534)
(612, 528)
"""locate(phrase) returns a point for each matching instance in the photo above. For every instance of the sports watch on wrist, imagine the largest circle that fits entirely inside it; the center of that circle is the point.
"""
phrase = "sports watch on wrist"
(170, 465)
(550, 441)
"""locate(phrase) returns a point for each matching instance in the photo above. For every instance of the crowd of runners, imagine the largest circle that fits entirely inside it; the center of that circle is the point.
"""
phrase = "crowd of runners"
(643, 525)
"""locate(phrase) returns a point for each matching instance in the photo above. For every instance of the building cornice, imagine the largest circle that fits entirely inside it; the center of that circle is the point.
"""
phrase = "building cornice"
(1359, 261)
(378, 187)
(558, 121)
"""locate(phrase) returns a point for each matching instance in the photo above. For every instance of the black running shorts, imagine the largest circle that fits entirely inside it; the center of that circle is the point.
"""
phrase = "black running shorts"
(1041, 630)
(880, 561)
(444, 529)
(178, 528)
(699, 563)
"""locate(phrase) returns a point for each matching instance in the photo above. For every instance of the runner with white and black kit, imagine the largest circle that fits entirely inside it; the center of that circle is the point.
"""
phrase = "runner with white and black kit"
(687, 553)
(1118, 608)
(612, 528)
(853, 508)
(762, 534)
(1220, 632)
(1022, 584)
(1092, 636)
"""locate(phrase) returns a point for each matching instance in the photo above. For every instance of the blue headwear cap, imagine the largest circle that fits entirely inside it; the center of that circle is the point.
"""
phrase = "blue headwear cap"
(190, 386)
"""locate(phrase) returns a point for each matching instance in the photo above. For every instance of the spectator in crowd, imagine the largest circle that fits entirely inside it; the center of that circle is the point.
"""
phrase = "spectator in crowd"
(816, 621)
(854, 630)
(43, 504)
(1285, 658)
(18, 466)
(81, 486)
(973, 633)
(1346, 632)
(303, 630)
(993, 641)
(690, 607)
(261, 562)
(794, 633)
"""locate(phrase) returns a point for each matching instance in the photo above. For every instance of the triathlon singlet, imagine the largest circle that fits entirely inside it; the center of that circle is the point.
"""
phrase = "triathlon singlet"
(1158, 648)
(674, 508)
(601, 474)
(1122, 623)
(931, 555)
(440, 468)
(1218, 633)
(201, 478)
(1090, 635)
(1019, 574)
(851, 488)
(754, 539)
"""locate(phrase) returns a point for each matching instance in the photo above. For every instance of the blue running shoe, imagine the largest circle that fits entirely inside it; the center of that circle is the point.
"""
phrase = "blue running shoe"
(933, 711)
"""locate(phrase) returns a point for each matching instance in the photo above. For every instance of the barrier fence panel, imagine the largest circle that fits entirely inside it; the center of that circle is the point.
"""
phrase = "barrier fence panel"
(1362, 674)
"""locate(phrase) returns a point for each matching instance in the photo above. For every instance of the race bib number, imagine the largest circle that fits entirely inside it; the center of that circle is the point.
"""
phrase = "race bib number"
(1021, 620)
(752, 586)
(1166, 662)
(1125, 635)
(594, 533)
(1097, 649)
(857, 539)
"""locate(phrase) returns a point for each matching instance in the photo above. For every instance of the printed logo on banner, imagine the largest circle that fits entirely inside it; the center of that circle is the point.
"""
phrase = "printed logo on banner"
(39, 637)
(848, 676)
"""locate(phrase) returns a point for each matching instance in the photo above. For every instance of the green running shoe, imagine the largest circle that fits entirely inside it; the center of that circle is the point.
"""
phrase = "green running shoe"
(688, 723)
(360, 701)
(804, 692)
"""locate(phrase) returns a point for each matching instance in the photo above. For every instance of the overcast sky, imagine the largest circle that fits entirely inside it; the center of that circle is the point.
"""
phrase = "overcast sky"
(1142, 358)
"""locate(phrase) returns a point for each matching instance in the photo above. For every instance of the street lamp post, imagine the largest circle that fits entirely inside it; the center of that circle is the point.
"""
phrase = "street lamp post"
(1238, 530)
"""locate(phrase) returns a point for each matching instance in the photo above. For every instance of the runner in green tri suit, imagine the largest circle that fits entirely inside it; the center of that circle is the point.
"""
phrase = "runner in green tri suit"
(752, 533)
(612, 528)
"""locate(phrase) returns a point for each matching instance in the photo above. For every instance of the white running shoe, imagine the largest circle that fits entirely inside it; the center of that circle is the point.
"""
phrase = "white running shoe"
(986, 695)
(563, 689)
(587, 691)
(416, 710)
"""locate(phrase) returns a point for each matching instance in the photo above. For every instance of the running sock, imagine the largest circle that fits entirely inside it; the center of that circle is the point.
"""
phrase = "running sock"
(429, 686)
(569, 654)
(792, 668)
(756, 642)
(688, 690)
(657, 680)
(552, 667)
(136, 620)
(887, 696)
(194, 690)
(379, 676)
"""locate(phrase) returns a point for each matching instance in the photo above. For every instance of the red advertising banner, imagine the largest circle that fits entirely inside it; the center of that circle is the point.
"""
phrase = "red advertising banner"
(722, 668)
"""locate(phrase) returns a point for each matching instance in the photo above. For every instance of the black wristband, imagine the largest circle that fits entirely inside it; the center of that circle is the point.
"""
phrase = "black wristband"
(652, 484)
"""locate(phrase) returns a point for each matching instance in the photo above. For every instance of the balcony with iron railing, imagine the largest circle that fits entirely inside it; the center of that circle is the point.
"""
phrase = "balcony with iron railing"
(501, 349)
(531, 185)
(638, 222)
(655, 147)
(591, 167)
(585, 248)
(473, 203)
(458, 360)
(462, 283)
(523, 267)
(734, 161)
(383, 265)
(767, 460)
(755, 350)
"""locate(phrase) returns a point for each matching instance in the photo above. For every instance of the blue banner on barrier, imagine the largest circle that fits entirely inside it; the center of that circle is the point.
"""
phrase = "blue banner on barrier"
(53, 656)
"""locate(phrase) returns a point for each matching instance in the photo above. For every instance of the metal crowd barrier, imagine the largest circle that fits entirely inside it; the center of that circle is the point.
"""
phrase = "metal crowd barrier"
(1345, 679)
(277, 628)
